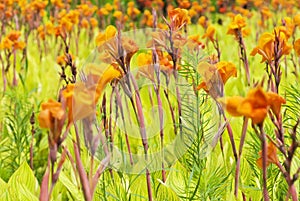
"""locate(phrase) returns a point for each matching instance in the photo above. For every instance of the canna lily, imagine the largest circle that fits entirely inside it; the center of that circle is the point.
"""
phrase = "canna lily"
(266, 45)
(237, 23)
(255, 105)
(271, 155)
(110, 73)
(144, 62)
(109, 33)
(179, 17)
(52, 117)
(297, 47)
(81, 98)
(132, 11)
(224, 69)
(11, 41)
(209, 33)
(296, 19)
(202, 21)
(193, 42)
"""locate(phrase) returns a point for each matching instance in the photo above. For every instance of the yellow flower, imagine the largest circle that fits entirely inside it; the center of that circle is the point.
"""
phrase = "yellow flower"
(144, 62)
(271, 155)
(109, 33)
(193, 42)
(68, 93)
(11, 41)
(224, 69)
(209, 33)
(202, 21)
(275, 101)
(107, 76)
(266, 45)
(118, 14)
(51, 111)
(237, 23)
(296, 19)
(94, 22)
(179, 17)
(255, 105)
(297, 47)
(6, 44)
(84, 23)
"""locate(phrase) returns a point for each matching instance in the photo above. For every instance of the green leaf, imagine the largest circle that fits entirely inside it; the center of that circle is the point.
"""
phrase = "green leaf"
(164, 192)
(70, 185)
(23, 185)
(3, 190)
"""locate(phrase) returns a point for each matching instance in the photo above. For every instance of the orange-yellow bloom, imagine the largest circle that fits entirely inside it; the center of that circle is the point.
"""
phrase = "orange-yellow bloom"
(202, 21)
(68, 93)
(109, 33)
(11, 41)
(179, 17)
(296, 19)
(107, 76)
(237, 23)
(297, 47)
(224, 69)
(255, 105)
(271, 155)
(51, 111)
(193, 42)
(209, 33)
(266, 45)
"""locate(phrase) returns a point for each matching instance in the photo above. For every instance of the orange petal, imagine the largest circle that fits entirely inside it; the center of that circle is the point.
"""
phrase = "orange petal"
(44, 119)
(231, 104)
(275, 101)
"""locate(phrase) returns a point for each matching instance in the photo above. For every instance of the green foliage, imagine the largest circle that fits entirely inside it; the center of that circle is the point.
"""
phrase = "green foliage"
(22, 185)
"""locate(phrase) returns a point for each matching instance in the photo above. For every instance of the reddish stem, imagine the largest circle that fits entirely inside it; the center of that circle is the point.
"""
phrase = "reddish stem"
(237, 170)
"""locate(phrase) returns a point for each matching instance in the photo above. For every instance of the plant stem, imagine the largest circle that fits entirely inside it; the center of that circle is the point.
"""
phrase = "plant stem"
(119, 102)
(230, 133)
(140, 118)
(264, 162)
(244, 57)
(237, 170)
(82, 175)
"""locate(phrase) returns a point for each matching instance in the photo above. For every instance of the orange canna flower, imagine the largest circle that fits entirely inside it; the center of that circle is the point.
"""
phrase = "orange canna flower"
(193, 42)
(224, 70)
(94, 22)
(110, 73)
(84, 23)
(144, 63)
(109, 33)
(202, 21)
(255, 105)
(237, 23)
(209, 33)
(68, 93)
(131, 10)
(179, 17)
(271, 155)
(11, 41)
(266, 45)
(118, 14)
(275, 101)
(232, 104)
(6, 44)
(52, 117)
(297, 47)
(296, 19)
